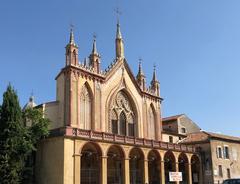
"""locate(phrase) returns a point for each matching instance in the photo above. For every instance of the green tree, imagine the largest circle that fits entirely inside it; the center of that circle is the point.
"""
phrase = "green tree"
(11, 134)
(37, 128)
(18, 141)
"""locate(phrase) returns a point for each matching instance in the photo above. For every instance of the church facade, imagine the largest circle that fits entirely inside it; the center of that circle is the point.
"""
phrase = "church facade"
(106, 127)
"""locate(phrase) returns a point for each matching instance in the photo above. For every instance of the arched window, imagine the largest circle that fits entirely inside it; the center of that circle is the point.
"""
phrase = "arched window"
(68, 52)
(114, 122)
(151, 124)
(85, 108)
(122, 117)
(75, 56)
(131, 126)
(123, 123)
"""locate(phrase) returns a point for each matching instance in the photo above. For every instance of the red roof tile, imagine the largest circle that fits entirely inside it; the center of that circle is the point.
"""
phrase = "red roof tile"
(172, 117)
(205, 136)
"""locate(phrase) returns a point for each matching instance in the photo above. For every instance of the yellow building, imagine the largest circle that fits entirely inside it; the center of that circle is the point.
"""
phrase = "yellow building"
(106, 127)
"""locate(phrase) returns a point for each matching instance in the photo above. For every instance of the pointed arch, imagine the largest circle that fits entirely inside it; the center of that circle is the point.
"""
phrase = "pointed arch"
(122, 123)
(114, 122)
(74, 56)
(151, 122)
(124, 107)
(131, 125)
(86, 101)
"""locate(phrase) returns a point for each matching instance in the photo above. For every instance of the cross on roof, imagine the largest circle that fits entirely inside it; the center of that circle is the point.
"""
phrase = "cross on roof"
(94, 36)
(71, 26)
(118, 12)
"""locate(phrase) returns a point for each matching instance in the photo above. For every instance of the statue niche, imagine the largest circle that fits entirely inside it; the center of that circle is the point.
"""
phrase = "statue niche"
(122, 116)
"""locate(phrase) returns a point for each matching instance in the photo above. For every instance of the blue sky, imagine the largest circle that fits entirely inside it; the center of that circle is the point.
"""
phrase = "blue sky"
(195, 45)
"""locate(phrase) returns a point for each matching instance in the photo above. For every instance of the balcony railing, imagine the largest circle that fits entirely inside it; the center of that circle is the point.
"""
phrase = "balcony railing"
(109, 137)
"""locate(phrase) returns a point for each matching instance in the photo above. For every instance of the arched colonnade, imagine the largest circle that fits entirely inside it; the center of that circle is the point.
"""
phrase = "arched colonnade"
(104, 163)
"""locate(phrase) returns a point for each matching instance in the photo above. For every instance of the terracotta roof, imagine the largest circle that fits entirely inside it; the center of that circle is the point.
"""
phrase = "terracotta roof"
(173, 133)
(196, 137)
(172, 117)
(205, 136)
(221, 136)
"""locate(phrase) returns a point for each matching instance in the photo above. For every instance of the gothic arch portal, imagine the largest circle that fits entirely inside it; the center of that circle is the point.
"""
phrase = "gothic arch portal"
(122, 114)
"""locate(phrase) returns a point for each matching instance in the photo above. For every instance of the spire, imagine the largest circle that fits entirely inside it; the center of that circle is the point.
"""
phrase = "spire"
(155, 85)
(31, 103)
(94, 49)
(119, 34)
(94, 58)
(140, 72)
(119, 40)
(71, 40)
(119, 43)
(141, 79)
(31, 98)
(154, 74)
(71, 50)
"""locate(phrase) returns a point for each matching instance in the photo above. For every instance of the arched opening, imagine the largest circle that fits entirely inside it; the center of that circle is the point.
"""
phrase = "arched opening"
(154, 167)
(75, 56)
(85, 108)
(90, 164)
(169, 165)
(136, 166)
(114, 122)
(115, 165)
(195, 164)
(131, 125)
(68, 52)
(151, 123)
(122, 116)
(183, 167)
(123, 121)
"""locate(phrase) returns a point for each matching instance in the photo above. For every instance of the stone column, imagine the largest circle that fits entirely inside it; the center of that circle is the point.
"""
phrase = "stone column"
(146, 180)
(189, 173)
(177, 169)
(189, 156)
(126, 171)
(77, 168)
(104, 169)
(162, 174)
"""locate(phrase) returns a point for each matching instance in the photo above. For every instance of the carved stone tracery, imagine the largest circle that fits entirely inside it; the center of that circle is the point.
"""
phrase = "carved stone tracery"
(121, 106)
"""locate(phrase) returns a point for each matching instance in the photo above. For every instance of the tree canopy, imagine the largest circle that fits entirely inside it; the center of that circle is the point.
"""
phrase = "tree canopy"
(20, 132)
